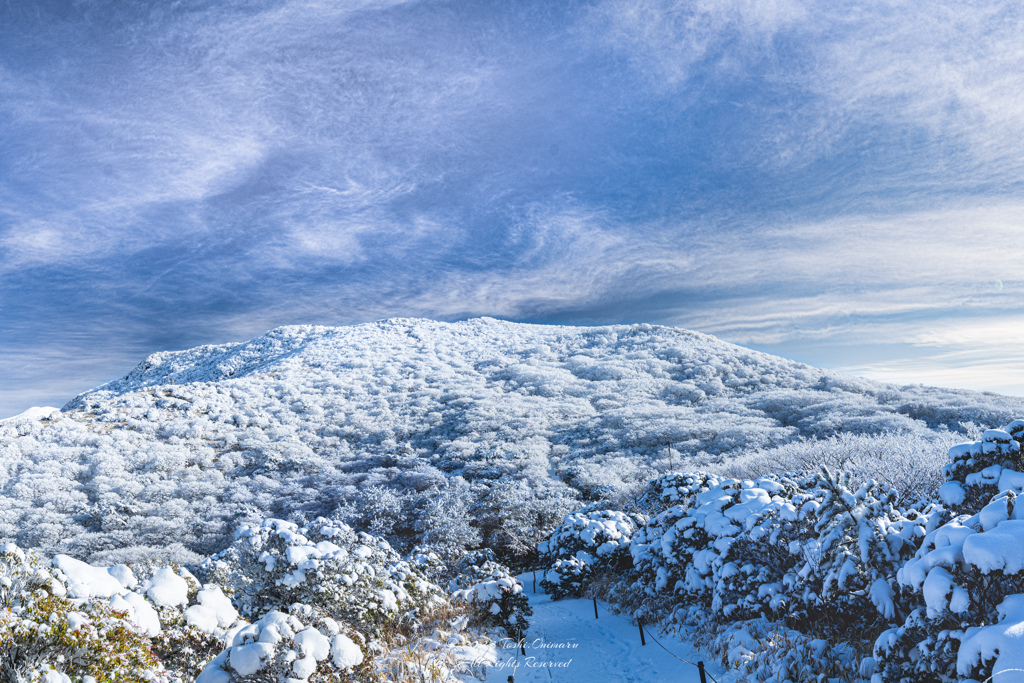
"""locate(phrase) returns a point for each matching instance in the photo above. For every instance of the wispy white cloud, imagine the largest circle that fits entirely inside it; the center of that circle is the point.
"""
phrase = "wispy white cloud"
(1001, 372)
(948, 72)
(671, 41)
(953, 68)
(779, 171)
(761, 286)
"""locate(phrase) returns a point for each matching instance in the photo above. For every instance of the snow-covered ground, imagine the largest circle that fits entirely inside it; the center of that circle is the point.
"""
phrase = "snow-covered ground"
(566, 643)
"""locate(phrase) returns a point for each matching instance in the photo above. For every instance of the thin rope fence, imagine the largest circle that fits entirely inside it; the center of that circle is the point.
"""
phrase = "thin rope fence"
(645, 630)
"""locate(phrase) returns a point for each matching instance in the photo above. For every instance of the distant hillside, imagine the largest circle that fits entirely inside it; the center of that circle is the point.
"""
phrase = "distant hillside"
(303, 421)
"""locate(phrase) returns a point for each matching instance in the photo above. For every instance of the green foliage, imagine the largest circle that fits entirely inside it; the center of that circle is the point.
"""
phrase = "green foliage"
(40, 629)
(183, 648)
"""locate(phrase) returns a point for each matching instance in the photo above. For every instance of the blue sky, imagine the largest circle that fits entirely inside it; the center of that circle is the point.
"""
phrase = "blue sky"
(839, 183)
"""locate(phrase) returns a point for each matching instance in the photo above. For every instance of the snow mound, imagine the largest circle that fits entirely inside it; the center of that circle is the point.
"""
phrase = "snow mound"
(280, 645)
(213, 611)
(85, 581)
(167, 589)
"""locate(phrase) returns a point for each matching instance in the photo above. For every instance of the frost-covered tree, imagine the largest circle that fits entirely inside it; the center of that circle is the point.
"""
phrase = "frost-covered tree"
(513, 517)
(380, 511)
(444, 523)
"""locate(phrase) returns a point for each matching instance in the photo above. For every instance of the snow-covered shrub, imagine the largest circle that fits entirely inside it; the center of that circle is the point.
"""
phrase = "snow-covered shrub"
(295, 646)
(347, 576)
(583, 541)
(670, 490)
(427, 560)
(974, 469)
(50, 623)
(908, 461)
(861, 541)
(668, 499)
(814, 555)
(496, 595)
(185, 621)
(380, 510)
(193, 632)
(568, 577)
(444, 522)
(950, 589)
(966, 580)
(475, 558)
(768, 651)
(719, 535)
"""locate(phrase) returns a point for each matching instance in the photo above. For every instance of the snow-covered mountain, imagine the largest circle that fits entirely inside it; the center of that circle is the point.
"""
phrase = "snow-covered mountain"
(306, 421)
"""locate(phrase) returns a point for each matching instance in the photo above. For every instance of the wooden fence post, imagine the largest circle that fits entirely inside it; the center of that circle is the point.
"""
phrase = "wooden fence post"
(700, 668)
(640, 623)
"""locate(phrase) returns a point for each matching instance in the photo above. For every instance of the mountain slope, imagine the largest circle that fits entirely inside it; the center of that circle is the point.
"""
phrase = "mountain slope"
(305, 421)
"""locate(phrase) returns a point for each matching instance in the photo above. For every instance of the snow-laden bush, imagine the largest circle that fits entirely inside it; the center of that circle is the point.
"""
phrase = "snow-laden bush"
(194, 619)
(795, 577)
(813, 556)
(581, 541)
(974, 469)
(567, 578)
(297, 647)
(704, 544)
(514, 516)
(347, 576)
(495, 594)
(816, 551)
(766, 651)
(668, 490)
(67, 621)
(427, 560)
(966, 582)
(185, 621)
(444, 522)
(861, 541)
(70, 623)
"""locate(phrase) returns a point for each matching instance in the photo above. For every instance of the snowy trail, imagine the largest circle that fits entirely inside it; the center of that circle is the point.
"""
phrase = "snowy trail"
(566, 643)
